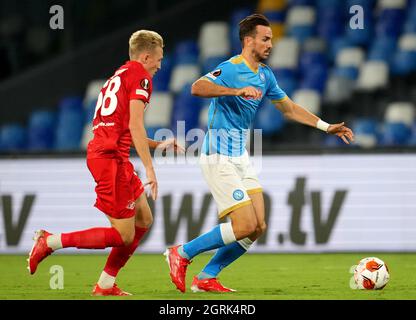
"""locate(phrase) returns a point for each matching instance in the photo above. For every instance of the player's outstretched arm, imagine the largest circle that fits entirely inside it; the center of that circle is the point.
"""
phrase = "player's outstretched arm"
(295, 112)
(141, 144)
(204, 88)
(168, 144)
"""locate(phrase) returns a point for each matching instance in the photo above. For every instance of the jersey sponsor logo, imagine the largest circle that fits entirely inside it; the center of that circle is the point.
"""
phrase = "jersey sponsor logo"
(145, 83)
(238, 194)
(103, 124)
(262, 77)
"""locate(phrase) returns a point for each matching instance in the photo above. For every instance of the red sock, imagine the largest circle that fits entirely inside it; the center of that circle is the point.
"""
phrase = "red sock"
(95, 238)
(119, 256)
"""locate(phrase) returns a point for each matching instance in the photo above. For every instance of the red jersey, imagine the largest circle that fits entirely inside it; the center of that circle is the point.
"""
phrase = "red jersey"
(112, 138)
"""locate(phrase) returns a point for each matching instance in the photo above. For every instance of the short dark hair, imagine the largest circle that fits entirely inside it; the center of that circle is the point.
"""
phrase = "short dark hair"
(248, 25)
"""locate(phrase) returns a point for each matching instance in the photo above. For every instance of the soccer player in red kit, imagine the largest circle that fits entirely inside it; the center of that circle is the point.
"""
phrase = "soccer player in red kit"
(118, 124)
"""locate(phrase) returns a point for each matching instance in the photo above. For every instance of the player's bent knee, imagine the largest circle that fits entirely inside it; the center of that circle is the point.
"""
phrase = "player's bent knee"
(244, 229)
(127, 237)
(144, 222)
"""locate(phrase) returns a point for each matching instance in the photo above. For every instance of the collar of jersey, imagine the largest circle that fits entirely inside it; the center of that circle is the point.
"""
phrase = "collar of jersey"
(139, 65)
(248, 65)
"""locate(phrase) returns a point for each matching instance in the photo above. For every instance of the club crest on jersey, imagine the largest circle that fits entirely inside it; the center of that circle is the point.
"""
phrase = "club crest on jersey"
(262, 77)
(131, 205)
(238, 194)
(145, 84)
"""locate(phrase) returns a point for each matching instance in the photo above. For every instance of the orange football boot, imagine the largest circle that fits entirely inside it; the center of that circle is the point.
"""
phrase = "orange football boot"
(208, 285)
(40, 250)
(177, 267)
(114, 291)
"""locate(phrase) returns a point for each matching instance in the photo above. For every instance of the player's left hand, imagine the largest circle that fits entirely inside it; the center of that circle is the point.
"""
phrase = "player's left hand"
(341, 131)
(171, 144)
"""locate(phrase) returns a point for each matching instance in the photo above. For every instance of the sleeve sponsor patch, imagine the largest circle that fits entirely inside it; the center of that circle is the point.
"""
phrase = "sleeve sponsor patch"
(209, 75)
(216, 73)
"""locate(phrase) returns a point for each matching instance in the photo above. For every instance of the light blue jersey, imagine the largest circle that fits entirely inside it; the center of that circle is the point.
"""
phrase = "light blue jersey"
(230, 117)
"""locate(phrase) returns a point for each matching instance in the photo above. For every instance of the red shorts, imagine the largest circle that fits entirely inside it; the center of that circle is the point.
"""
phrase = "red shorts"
(118, 186)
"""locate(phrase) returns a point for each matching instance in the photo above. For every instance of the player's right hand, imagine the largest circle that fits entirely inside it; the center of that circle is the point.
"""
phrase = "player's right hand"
(152, 182)
(249, 92)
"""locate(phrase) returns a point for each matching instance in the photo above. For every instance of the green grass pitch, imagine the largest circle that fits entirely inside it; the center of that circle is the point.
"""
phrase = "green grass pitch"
(255, 276)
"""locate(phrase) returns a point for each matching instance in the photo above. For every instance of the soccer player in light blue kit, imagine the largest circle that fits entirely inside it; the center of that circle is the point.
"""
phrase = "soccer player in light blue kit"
(237, 87)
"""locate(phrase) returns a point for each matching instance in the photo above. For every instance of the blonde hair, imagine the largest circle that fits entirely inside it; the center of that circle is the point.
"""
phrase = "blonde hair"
(144, 40)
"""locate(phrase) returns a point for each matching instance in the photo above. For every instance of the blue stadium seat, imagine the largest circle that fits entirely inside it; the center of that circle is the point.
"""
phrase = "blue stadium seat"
(269, 119)
(13, 137)
(410, 23)
(331, 22)
(347, 72)
(186, 108)
(328, 4)
(275, 16)
(403, 63)
(315, 78)
(365, 132)
(330, 30)
(162, 77)
(41, 130)
(90, 111)
(337, 45)
(365, 126)
(286, 79)
(186, 52)
(288, 85)
(395, 134)
(211, 63)
(367, 5)
(236, 17)
(410, 26)
(333, 141)
(70, 124)
(235, 40)
(293, 3)
(301, 32)
(151, 132)
(382, 49)
(70, 103)
(239, 14)
(310, 60)
(284, 73)
(390, 23)
(412, 140)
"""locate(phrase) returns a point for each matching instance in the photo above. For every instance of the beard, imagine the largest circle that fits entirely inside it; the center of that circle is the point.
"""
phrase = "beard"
(259, 56)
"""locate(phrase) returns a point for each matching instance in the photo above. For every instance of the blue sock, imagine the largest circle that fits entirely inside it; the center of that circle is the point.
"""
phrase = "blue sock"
(205, 242)
(222, 258)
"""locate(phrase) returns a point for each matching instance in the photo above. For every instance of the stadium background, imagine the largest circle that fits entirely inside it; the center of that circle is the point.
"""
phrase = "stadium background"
(321, 196)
